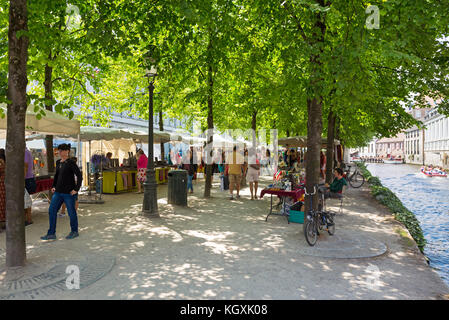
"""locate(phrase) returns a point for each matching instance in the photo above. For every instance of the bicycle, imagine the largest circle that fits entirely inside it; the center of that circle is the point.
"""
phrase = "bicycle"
(356, 179)
(316, 220)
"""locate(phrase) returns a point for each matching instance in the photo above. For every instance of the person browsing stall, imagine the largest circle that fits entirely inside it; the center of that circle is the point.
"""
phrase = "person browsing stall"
(64, 191)
(142, 162)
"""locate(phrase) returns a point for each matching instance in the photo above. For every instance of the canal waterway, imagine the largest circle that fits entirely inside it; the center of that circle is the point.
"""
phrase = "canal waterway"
(428, 199)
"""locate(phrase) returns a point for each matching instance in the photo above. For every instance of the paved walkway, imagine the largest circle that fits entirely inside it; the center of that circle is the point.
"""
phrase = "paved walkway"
(220, 249)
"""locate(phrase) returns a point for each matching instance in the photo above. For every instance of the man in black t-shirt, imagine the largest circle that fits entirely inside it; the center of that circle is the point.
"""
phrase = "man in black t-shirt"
(64, 190)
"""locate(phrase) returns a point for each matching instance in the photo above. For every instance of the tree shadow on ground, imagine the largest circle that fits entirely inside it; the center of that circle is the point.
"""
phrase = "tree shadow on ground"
(221, 249)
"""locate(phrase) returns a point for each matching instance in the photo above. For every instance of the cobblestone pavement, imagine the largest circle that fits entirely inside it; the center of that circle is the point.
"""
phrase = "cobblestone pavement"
(220, 249)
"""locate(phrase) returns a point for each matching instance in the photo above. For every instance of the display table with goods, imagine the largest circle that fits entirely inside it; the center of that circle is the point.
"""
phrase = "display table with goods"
(162, 174)
(290, 191)
(44, 183)
(118, 180)
(124, 179)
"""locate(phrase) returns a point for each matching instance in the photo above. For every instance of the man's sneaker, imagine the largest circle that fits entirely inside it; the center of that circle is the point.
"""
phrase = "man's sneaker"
(61, 214)
(231, 198)
(49, 237)
(72, 235)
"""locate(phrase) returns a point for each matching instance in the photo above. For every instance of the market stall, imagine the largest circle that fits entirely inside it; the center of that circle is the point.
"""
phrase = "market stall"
(288, 182)
(51, 124)
(118, 174)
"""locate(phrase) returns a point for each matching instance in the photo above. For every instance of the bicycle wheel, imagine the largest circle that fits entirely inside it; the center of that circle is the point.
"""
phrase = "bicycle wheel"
(310, 232)
(357, 180)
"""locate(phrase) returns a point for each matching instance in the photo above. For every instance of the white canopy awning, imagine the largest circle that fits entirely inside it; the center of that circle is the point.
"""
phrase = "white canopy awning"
(52, 123)
(107, 134)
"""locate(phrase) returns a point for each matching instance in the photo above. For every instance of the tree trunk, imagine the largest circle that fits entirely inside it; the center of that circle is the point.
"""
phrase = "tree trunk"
(210, 126)
(15, 135)
(161, 128)
(314, 129)
(48, 105)
(330, 146)
(314, 111)
(337, 136)
(254, 127)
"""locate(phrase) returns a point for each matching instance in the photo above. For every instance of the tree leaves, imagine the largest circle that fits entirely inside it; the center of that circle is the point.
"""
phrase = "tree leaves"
(261, 57)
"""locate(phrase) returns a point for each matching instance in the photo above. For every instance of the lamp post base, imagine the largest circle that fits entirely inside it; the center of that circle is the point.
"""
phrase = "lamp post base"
(149, 207)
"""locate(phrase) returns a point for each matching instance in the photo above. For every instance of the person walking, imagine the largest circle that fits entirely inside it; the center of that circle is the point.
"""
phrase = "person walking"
(62, 213)
(191, 168)
(64, 190)
(142, 162)
(244, 168)
(268, 165)
(30, 184)
(253, 172)
(234, 167)
(2, 190)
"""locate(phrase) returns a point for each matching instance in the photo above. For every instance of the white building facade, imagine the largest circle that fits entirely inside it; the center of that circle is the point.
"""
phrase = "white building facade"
(414, 147)
(368, 151)
(436, 139)
(414, 137)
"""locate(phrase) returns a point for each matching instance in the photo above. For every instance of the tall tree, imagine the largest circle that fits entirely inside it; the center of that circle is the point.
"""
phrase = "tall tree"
(331, 121)
(15, 136)
(63, 60)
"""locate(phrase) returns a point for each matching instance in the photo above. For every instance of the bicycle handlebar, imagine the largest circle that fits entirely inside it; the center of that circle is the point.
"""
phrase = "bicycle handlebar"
(310, 194)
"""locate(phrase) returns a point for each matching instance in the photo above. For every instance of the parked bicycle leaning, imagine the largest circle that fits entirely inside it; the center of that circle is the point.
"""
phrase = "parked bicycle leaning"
(356, 179)
(317, 220)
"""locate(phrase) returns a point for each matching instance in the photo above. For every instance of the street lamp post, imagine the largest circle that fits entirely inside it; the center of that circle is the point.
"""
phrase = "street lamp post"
(149, 207)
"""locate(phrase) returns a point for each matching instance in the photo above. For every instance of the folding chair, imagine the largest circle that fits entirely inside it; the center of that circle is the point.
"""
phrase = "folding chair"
(339, 198)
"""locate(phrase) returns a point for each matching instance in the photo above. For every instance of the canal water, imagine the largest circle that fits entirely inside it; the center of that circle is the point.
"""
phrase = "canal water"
(428, 199)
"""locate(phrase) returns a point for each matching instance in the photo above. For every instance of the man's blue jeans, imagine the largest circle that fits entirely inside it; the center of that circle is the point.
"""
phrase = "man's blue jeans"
(190, 182)
(56, 202)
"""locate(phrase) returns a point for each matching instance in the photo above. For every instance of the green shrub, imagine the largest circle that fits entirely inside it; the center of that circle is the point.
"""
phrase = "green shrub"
(390, 200)
(364, 170)
(374, 181)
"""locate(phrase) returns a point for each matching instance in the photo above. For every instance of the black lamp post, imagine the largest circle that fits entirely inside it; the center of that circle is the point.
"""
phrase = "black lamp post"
(149, 186)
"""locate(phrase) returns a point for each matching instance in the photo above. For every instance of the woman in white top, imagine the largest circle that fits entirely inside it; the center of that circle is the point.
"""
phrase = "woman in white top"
(253, 172)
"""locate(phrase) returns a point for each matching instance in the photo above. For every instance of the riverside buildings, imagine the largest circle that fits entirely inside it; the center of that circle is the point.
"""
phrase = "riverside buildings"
(391, 147)
(422, 146)
(414, 137)
(436, 139)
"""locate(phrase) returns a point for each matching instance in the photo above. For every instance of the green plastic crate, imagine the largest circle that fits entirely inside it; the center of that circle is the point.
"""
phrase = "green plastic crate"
(296, 216)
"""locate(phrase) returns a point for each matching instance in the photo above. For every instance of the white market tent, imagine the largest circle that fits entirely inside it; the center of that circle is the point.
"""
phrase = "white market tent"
(118, 141)
(100, 133)
(52, 123)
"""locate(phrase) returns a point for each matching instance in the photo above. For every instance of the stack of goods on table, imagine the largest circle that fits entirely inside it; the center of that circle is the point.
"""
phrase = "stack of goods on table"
(289, 183)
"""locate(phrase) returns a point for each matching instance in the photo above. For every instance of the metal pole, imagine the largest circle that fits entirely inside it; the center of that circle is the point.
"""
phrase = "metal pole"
(101, 167)
(150, 193)
(79, 151)
(90, 168)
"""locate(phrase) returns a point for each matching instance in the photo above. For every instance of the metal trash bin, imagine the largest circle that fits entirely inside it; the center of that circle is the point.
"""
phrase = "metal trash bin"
(177, 187)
